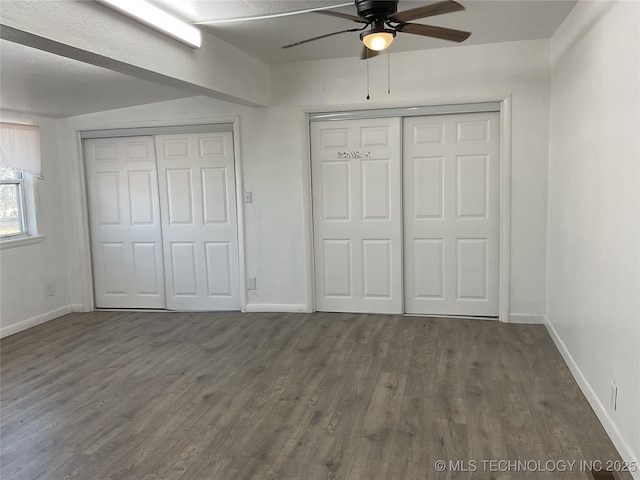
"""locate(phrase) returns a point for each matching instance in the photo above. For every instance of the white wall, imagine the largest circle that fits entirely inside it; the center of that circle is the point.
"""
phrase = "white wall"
(429, 77)
(275, 160)
(24, 270)
(593, 268)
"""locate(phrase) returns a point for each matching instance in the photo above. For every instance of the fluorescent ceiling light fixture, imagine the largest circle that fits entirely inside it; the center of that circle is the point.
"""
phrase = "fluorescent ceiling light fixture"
(156, 18)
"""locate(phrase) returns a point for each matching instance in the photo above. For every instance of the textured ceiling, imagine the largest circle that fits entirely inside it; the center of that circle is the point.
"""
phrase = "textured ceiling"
(202, 10)
(42, 83)
(489, 22)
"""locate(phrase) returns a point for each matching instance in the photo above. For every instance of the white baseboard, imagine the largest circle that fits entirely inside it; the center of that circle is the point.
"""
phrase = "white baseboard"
(616, 437)
(78, 307)
(33, 321)
(276, 307)
(532, 318)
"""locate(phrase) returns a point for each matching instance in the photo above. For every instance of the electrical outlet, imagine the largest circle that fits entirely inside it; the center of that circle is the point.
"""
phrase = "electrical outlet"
(251, 283)
(248, 197)
(49, 289)
(614, 395)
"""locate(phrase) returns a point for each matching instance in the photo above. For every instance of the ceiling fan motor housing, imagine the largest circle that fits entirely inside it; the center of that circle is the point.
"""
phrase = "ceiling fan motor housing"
(371, 9)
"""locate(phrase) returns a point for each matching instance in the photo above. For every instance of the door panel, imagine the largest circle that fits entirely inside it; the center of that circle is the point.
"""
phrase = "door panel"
(429, 282)
(215, 201)
(471, 186)
(375, 190)
(179, 196)
(218, 255)
(336, 191)
(183, 269)
(429, 199)
(115, 269)
(108, 197)
(124, 219)
(451, 214)
(356, 176)
(199, 224)
(140, 198)
(472, 274)
(336, 268)
(376, 263)
(146, 273)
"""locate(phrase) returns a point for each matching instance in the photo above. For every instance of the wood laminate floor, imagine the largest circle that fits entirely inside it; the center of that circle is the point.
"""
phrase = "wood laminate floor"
(230, 396)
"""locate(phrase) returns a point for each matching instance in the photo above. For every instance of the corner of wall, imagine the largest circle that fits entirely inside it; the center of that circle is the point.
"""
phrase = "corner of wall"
(609, 425)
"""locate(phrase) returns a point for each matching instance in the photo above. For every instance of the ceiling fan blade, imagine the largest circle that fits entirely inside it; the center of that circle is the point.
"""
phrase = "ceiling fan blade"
(346, 16)
(265, 17)
(447, 6)
(321, 36)
(435, 32)
(366, 53)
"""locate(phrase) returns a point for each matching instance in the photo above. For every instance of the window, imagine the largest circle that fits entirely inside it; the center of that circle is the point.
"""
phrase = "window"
(12, 204)
(19, 165)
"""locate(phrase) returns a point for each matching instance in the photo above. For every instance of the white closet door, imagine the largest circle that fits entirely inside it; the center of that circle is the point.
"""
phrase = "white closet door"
(452, 210)
(199, 223)
(356, 177)
(124, 218)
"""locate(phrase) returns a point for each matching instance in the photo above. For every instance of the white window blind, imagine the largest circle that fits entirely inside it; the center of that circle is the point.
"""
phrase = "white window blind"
(20, 147)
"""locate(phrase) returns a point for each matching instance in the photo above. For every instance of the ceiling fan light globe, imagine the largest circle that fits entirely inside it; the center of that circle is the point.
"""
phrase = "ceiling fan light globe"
(378, 41)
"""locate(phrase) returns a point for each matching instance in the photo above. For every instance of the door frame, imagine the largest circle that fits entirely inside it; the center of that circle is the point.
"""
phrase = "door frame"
(504, 281)
(78, 131)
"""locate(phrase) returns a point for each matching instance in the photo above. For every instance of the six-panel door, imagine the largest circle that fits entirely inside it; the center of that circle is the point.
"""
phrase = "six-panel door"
(356, 178)
(126, 240)
(451, 214)
(199, 222)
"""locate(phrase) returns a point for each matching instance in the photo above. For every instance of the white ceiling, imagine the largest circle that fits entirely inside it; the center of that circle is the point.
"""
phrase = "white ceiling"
(41, 83)
(489, 21)
(201, 10)
(33, 81)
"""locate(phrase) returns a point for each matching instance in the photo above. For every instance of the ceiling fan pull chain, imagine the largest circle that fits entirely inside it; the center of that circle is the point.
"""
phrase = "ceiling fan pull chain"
(388, 73)
(368, 96)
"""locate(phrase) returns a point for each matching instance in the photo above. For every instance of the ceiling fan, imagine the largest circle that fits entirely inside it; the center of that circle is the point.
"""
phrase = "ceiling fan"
(381, 21)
